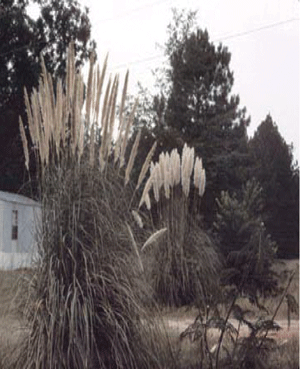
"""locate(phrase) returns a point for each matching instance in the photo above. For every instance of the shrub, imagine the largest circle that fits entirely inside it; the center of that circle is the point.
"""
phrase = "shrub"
(249, 251)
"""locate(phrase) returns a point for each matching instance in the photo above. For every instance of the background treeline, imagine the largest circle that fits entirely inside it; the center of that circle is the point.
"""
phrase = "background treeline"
(193, 104)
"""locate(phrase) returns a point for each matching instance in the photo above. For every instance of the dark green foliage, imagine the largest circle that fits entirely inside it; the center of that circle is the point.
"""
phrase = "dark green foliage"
(235, 348)
(251, 351)
(195, 105)
(238, 217)
(248, 249)
(201, 108)
(273, 166)
(22, 39)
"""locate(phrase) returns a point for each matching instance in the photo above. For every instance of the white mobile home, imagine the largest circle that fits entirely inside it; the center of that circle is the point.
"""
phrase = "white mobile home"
(19, 219)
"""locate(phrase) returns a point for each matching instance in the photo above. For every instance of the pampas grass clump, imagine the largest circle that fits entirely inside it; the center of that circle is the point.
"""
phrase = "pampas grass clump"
(184, 262)
(86, 306)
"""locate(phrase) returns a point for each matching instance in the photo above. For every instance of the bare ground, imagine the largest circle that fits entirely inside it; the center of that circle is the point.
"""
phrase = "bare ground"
(175, 321)
(176, 326)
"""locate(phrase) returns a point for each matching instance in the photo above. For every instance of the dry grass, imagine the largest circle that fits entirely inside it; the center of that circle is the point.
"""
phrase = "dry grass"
(13, 288)
(283, 269)
(183, 264)
(86, 307)
(12, 284)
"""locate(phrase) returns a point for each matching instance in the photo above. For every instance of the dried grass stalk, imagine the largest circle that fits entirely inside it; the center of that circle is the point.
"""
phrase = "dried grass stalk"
(166, 170)
(156, 181)
(146, 189)
(154, 237)
(146, 164)
(137, 218)
(187, 168)
(104, 124)
(121, 120)
(112, 116)
(92, 146)
(24, 142)
(89, 90)
(202, 183)
(59, 127)
(197, 172)
(126, 134)
(135, 249)
(132, 157)
(161, 168)
(148, 201)
(99, 89)
(31, 125)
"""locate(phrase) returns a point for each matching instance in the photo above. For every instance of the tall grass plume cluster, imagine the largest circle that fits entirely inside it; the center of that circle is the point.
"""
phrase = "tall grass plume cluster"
(185, 263)
(86, 301)
(106, 258)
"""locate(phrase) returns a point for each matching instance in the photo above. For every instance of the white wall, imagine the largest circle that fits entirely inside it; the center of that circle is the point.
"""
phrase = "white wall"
(18, 253)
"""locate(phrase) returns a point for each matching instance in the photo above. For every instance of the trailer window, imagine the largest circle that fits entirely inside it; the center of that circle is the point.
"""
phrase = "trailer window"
(14, 230)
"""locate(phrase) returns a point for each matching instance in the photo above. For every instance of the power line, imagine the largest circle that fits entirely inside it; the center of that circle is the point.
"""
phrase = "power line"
(236, 35)
(139, 61)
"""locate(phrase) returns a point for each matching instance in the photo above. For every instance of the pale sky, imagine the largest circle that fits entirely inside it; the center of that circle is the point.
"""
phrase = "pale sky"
(262, 36)
(265, 62)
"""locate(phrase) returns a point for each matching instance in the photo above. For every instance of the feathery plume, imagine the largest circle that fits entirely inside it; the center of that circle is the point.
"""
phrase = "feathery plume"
(104, 124)
(197, 172)
(121, 120)
(31, 123)
(166, 170)
(146, 165)
(148, 201)
(89, 90)
(147, 189)
(113, 105)
(153, 238)
(126, 135)
(132, 157)
(135, 248)
(137, 218)
(99, 88)
(156, 181)
(24, 142)
(202, 183)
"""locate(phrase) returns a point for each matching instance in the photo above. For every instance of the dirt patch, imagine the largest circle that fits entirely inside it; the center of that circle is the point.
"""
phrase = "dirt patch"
(175, 327)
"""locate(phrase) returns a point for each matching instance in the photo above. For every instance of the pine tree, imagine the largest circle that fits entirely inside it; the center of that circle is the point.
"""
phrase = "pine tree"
(246, 245)
(200, 108)
(273, 167)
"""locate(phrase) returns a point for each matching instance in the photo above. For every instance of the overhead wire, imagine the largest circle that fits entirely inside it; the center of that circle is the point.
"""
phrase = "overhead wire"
(155, 57)
(236, 35)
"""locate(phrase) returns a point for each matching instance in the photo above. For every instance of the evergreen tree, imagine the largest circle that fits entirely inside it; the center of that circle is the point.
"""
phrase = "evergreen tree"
(248, 249)
(195, 105)
(22, 39)
(273, 167)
